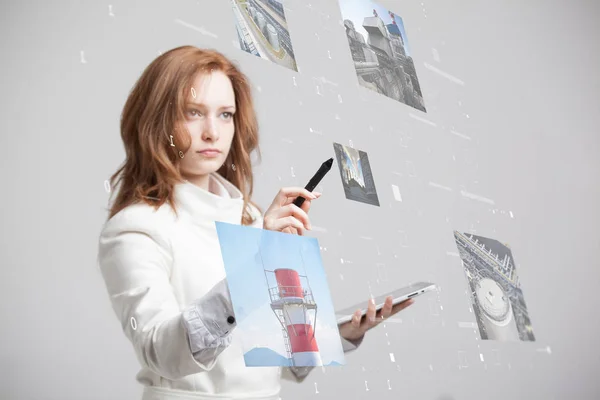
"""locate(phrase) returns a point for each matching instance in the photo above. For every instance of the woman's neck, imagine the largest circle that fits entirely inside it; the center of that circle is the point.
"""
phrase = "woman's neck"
(202, 181)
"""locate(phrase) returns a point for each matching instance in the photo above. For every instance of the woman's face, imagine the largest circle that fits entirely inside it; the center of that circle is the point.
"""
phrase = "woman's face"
(209, 121)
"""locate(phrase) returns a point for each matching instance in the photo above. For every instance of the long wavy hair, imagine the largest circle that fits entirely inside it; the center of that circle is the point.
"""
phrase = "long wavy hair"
(154, 111)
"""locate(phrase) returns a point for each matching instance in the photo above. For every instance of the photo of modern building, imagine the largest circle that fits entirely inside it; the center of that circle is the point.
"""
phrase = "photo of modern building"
(380, 51)
(496, 296)
(262, 30)
(356, 174)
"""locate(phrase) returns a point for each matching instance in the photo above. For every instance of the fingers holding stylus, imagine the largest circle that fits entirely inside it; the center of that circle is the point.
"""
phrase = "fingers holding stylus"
(290, 193)
(296, 212)
(283, 215)
(287, 224)
(290, 215)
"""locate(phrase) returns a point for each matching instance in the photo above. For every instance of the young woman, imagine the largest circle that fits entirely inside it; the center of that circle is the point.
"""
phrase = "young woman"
(189, 128)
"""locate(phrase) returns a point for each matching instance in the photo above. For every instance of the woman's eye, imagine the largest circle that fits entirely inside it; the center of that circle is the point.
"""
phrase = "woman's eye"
(227, 115)
(194, 112)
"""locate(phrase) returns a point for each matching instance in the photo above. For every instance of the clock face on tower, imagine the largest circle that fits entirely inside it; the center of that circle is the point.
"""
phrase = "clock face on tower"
(492, 300)
(498, 302)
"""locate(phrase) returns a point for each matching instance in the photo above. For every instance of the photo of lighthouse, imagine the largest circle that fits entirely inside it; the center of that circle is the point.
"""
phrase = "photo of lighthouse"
(280, 296)
(494, 287)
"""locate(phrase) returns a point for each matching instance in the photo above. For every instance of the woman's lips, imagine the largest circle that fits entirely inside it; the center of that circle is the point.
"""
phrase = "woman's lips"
(210, 153)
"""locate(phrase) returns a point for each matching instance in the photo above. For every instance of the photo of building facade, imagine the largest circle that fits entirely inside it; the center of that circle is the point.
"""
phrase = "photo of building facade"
(380, 52)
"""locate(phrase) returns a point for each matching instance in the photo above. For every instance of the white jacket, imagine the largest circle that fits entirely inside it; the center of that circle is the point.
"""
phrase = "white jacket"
(158, 270)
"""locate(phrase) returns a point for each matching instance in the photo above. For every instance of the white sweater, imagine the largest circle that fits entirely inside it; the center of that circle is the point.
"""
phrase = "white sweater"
(155, 267)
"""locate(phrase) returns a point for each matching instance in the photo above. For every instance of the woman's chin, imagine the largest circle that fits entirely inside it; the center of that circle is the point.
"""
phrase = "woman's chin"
(208, 168)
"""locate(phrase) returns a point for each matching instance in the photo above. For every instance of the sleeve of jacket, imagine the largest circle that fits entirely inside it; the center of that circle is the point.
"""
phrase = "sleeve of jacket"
(208, 322)
(135, 260)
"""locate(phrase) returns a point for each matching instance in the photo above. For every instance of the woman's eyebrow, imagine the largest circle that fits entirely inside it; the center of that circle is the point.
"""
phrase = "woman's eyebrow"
(202, 105)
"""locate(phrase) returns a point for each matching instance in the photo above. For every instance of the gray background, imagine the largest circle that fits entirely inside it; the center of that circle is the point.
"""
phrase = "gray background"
(528, 80)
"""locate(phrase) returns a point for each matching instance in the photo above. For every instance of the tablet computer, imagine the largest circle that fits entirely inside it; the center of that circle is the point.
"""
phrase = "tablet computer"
(399, 296)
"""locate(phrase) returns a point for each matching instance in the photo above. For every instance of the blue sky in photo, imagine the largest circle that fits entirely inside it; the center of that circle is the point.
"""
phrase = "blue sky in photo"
(357, 10)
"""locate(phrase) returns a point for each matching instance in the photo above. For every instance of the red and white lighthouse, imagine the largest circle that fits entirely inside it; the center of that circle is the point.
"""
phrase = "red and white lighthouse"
(292, 303)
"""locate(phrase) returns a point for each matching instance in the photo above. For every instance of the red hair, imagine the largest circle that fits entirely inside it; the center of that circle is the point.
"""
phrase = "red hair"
(154, 111)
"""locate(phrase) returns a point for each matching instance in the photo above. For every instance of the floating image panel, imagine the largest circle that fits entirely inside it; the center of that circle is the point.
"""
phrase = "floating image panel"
(380, 51)
(356, 174)
(495, 292)
(262, 30)
(280, 297)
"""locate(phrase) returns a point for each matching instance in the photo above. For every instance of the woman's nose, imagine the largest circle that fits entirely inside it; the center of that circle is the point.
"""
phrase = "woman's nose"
(210, 129)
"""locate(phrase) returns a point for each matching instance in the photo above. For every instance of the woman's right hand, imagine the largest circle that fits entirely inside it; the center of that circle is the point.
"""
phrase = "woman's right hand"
(284, 216)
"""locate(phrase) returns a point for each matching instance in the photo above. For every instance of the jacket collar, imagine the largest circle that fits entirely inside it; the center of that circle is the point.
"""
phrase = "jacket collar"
(222, 202)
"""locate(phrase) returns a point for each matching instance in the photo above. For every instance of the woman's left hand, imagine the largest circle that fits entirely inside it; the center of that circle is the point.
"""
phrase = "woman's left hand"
(357, 327)
(284, 216)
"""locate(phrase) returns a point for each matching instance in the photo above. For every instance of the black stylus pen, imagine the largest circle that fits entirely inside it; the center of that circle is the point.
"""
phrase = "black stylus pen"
(314, 181)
